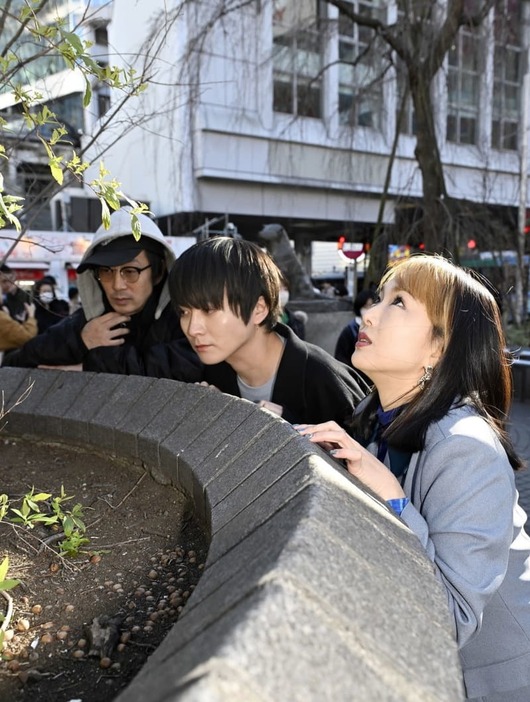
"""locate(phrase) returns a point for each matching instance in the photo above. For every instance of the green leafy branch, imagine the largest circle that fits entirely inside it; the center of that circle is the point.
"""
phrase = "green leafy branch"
(55, 38)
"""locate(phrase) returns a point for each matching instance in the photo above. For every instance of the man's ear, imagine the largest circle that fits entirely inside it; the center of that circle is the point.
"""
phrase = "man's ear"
(163, 269)
(261, 310)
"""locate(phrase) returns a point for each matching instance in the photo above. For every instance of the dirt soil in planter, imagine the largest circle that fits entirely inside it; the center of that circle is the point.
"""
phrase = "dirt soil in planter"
(82, 627)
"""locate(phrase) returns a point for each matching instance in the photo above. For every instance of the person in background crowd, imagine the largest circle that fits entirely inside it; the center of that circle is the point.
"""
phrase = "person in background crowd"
(328, 290)
(348, 337)
(48, 308)
(227, 294)
(431, 441)
(14, 298)
(14, 333)
(74, 299)
(297, 319)
(126, 310)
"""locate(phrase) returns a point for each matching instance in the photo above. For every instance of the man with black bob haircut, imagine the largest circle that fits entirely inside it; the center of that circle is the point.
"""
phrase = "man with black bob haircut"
(227, 294)
(126, 310)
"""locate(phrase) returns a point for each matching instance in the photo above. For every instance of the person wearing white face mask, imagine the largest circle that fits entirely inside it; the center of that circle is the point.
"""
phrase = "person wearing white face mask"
(48, 308)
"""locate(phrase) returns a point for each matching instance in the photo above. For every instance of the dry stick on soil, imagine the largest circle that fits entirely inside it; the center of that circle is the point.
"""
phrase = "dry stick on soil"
(145, 530)
(24, 396)
(64, 562)
(9, 611)
(122, 543)
(51, 540)
(120, 502)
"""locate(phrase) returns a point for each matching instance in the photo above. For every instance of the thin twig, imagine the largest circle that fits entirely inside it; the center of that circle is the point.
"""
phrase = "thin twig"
(114, 507)
(89, 526)
(51, 540)
(122, 543)
(130, 491)
(64, 562)
(154, 533)
(9, 612)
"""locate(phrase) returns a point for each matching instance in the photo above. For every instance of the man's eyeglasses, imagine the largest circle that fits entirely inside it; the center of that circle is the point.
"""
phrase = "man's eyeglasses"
(129, 274)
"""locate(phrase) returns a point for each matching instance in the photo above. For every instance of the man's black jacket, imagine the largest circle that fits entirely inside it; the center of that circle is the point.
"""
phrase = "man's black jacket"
(311, 385)
(143, 353)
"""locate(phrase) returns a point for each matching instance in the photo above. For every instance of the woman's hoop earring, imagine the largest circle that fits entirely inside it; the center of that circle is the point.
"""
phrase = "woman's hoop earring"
(425, 377)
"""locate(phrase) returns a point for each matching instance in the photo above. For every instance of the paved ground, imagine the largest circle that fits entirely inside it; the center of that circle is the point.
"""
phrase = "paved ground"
(520, 431)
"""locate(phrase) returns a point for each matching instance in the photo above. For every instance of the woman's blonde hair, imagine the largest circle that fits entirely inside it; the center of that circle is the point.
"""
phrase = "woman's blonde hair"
(436, 282)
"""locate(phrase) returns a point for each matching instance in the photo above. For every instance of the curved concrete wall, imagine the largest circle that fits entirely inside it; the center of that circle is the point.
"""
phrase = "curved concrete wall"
(312, 590)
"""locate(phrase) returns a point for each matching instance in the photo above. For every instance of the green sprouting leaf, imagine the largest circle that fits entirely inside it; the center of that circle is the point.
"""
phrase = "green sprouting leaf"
(68, 525)
(3, 568)
(47, 147)
(41, 496)
(102, 170)
(48, 520)
(105, 213)
(64, 496)
(4, 505)
(8, 584)
(56, 170)
(92, 65)
(111, 196)
(74, 41)
(136, 227)
(57, 134)
(7, 207)
(87, 97)
(79, 523)
(72, 545)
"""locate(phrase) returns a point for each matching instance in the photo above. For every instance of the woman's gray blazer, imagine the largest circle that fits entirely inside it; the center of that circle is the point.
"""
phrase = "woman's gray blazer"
(463, 508)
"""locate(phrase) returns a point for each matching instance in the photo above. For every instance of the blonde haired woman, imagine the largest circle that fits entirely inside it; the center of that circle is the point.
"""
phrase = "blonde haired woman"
(431, 440)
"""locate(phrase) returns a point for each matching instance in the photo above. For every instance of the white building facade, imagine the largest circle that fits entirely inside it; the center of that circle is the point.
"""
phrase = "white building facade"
(261, 120)
(251, 112)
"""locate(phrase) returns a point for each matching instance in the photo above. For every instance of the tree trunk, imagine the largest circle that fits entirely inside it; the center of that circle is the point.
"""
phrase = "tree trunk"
(438, 234)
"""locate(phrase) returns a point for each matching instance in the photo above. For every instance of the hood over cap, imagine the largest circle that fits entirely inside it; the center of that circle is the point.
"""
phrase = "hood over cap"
(115, 246)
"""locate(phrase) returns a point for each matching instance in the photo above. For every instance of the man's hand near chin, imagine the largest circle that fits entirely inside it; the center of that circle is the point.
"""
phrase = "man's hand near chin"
(106, 330)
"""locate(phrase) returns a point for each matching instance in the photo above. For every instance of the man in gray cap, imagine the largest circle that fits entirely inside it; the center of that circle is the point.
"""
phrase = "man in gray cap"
(126, 311)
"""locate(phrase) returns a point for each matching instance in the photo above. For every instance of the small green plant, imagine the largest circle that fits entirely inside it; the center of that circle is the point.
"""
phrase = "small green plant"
(71, 545)
(43, 508)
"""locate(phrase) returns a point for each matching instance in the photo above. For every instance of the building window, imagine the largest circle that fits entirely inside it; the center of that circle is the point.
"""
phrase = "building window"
(103, 103)
(507, 72)
(101, 36)
(360, 69)
(297, 58)
(69, 112)
(37, 185)
(463, 87)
